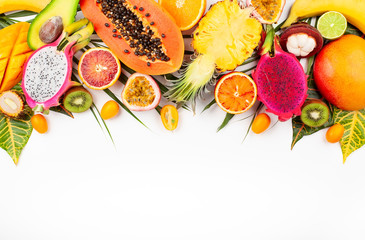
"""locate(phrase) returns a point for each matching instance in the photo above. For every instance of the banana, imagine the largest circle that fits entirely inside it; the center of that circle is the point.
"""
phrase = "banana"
(353, 10)
(30, 5)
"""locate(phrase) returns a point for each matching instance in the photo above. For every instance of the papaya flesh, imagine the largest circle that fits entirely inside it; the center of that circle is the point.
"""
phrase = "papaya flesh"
(14, 52)
(140, 32)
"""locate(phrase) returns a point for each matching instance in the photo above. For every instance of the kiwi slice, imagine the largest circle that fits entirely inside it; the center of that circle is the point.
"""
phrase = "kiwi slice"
(77, 100)
(315, 113)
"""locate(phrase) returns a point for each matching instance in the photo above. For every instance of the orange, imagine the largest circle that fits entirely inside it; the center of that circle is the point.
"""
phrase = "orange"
(235, 92)
(335, 133)
(261, 123)
(39, 123)
(109, 110)
(339, 72)
(186, 13)
(99, 68)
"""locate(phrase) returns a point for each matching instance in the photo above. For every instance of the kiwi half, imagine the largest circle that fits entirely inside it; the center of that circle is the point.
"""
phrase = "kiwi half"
(315, 113)
(77, 100)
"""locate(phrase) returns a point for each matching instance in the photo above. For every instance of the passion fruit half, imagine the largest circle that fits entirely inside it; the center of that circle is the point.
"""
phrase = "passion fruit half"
(267, 11)
(141, 93)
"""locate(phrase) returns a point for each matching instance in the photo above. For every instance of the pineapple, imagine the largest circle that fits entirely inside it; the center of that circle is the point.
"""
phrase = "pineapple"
(226, 36)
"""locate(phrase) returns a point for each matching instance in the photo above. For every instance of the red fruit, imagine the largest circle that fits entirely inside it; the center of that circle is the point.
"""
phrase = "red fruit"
(281, 82)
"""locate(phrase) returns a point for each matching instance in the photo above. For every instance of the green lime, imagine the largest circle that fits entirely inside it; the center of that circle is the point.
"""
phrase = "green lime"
(332, 25)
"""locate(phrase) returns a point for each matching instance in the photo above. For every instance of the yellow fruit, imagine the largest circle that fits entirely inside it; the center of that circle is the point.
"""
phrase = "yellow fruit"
(109, 110)
(13, 5)
(231, 44)
(353, 10)
(14, 52)
(226, 36)
(39, 123)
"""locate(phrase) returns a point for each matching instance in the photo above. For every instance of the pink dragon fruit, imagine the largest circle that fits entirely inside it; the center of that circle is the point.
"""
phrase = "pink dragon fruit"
(280, 79)
(47, 73)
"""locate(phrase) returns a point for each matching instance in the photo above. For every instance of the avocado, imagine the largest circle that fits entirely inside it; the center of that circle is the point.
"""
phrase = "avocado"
(66, 9)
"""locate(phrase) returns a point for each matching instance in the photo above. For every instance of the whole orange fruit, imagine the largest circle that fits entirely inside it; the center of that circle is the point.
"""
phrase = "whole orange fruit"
(339, 72)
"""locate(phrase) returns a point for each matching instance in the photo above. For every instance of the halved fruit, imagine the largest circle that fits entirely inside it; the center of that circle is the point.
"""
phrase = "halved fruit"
(267, 11)
(140, 32)
(141, 93)
(169, 117)
(11, 104)
(235, 93)
(186, 13)
(99, 68)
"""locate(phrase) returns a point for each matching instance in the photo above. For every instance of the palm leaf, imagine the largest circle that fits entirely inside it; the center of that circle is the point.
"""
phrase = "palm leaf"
(225, 121)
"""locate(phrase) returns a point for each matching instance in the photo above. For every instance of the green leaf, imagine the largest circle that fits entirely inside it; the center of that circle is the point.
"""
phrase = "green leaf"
(111, 94)
(253, 118)
(21, 14)
(209, 105)
(61, 109)
(299, 128)
(353, 30)
(95, 109)
(225, 121)
(354, 135)
(14, 135)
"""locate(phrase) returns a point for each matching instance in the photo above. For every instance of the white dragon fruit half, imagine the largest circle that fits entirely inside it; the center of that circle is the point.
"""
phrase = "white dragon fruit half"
(47, 73)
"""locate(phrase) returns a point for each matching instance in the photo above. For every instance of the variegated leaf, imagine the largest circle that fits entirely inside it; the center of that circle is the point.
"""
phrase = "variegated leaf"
(14, 135)
(354, 124)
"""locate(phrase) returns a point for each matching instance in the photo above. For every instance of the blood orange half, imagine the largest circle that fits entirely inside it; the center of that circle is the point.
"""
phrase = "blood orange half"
(235, 92)
(99, 68)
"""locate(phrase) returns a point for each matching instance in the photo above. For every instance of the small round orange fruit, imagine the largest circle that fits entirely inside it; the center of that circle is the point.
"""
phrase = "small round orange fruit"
(261, 123)
(169, 117)
(335, 133)
(339, 72)
(109, 110)
(39, 123)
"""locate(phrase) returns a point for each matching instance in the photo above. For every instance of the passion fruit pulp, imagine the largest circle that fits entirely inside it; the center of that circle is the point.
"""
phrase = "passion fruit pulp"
(141, 93)
(267, 11)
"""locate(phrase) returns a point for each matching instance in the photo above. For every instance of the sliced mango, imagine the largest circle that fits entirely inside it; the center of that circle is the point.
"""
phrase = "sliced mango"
(14, 52)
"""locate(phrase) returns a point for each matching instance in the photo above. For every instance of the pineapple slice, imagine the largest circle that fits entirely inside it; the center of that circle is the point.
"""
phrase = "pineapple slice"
(226, 36)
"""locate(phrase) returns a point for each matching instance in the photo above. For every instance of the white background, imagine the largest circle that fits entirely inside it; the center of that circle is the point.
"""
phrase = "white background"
(194, 183)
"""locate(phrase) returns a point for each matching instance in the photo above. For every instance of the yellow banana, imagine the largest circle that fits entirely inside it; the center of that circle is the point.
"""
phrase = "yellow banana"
(353, 10)
(30, 5)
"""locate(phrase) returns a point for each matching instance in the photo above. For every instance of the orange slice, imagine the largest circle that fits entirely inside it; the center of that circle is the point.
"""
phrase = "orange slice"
(186, 13)
(99, 68)
(235, 92)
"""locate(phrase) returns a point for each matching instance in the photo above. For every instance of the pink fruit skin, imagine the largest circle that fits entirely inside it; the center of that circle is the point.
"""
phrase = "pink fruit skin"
(54, 101)
(281, 83)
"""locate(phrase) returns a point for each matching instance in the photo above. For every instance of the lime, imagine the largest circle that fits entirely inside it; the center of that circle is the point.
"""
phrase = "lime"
(332, 25)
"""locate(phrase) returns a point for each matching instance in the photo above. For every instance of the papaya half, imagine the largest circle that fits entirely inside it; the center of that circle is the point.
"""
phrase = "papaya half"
(140, 32)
